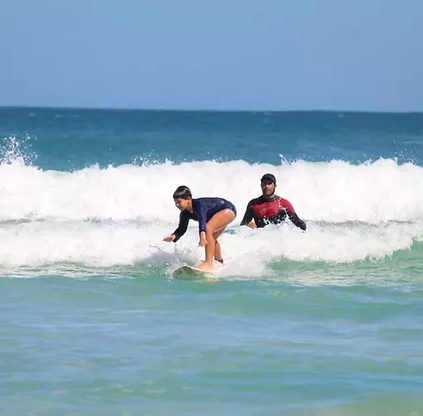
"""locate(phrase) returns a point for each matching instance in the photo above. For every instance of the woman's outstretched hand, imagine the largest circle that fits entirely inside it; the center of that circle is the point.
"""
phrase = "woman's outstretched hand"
(169, 238)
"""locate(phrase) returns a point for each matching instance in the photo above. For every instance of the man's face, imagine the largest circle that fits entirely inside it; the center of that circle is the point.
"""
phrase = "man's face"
(268, 188)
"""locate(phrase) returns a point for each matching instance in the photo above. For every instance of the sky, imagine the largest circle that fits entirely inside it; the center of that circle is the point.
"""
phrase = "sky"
(364, 55)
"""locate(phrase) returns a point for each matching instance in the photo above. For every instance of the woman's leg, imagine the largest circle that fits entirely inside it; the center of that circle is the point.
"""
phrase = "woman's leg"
(217, 249)
(217, 223)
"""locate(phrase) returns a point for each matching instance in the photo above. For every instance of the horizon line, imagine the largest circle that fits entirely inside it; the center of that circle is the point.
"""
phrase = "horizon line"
(205, 110)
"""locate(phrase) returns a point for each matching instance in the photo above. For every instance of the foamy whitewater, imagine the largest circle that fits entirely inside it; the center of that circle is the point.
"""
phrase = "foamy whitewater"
(87, 194)
(119, 215)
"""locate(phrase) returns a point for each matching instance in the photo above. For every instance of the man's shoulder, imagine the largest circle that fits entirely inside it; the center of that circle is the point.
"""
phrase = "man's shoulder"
(256, 201)
(284, 203)
(281, 200)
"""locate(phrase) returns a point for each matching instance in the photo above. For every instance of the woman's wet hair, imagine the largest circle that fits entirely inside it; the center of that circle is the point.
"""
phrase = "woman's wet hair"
(182, 192)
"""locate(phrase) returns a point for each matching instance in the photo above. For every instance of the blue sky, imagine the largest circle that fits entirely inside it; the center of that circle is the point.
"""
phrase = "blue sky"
(234, 54)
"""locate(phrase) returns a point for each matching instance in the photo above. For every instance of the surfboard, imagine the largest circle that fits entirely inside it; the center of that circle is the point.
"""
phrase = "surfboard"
(189, 272)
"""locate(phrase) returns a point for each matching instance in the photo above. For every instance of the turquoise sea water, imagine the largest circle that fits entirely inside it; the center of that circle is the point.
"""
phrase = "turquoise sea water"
(326, 322)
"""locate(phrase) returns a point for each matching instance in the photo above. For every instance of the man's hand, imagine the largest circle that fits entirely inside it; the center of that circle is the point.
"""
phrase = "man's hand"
(252, 224)
(169, 238)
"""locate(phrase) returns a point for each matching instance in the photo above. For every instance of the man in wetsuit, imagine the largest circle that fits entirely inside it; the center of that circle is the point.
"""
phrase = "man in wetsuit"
(270, 208)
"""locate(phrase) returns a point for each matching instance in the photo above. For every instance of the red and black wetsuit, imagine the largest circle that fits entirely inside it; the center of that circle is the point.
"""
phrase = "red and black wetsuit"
(271, 211)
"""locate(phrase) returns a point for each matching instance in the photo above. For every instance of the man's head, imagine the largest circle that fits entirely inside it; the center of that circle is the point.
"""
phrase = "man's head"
(268, 185)
(182, 197)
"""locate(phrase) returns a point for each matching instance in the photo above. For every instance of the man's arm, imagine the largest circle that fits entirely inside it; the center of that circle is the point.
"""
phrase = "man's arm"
(293, 215)
(296, 220)
(248, 216)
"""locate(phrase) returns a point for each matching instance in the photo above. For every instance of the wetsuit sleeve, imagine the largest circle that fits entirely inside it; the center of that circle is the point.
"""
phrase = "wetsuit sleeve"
(182, 227)
(248, 216)
(296, 220)
(293, 215)
(201, 211)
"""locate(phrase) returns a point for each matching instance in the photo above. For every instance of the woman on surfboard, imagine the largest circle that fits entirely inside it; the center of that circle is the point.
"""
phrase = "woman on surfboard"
(213, 216)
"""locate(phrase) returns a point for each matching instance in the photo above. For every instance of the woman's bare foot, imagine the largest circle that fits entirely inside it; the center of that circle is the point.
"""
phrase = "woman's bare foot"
(204, 266)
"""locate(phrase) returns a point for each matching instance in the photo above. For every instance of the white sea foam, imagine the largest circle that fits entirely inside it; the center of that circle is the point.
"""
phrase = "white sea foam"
(119, 215)
(332, 192)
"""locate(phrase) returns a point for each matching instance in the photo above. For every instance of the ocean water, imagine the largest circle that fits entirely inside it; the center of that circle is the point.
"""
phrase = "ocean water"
(326, 322)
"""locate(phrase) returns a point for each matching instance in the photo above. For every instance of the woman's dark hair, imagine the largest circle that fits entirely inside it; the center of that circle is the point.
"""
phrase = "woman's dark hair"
(182, 192)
